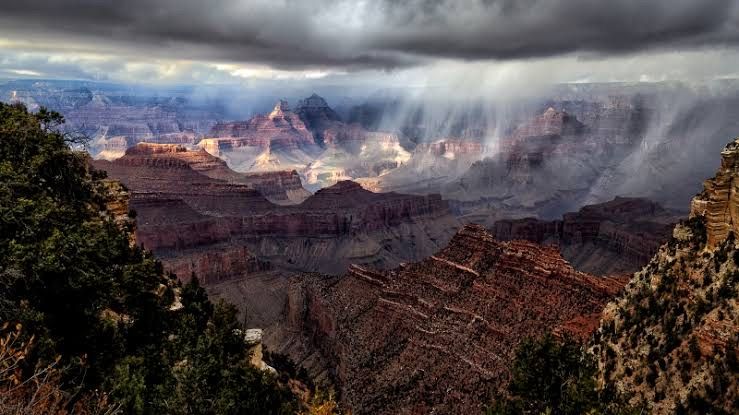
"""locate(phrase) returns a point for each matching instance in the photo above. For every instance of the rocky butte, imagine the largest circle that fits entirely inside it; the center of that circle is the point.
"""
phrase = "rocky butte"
(310, 139)
(438, 335)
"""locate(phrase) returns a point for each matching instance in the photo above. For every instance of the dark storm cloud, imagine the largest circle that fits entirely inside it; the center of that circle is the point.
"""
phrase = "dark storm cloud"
(298, 34)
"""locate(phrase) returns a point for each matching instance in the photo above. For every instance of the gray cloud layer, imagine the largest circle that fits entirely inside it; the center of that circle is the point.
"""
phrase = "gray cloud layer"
(296, 34)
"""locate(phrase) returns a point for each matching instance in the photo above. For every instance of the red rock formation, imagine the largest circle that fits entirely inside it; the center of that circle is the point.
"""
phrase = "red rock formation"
(619, 236)
(183, 206)
(438, 336)
(277, 186)
(279, 130)
(547, 126)
(719, 201)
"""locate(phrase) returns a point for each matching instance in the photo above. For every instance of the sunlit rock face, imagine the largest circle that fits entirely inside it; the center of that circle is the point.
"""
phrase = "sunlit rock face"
(312, 140)
(719, 201)
(428, 166)
(438, 335)
(276, 141)
(137, 167)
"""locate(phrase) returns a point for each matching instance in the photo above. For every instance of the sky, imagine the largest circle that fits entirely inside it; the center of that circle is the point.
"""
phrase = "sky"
(464, 45)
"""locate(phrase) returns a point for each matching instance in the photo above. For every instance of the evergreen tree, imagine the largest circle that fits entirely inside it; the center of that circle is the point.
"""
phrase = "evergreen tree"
(70, 276)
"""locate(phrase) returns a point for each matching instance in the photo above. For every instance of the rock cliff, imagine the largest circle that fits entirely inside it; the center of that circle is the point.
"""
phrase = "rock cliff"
(437, 336)
(672, 338)
(276, 141)
(619, 236)
(430, 165)
(552, 162)
(317, 115)
(143, 161)
(719, 201)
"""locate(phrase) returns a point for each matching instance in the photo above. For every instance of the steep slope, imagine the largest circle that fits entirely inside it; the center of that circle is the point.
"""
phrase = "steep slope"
(345, 224)
(619, 236)
(317, 115)
(437, 336)
(672, 338)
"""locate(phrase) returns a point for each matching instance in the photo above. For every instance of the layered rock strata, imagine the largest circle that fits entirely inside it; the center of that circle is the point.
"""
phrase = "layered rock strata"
(437, 336)
(310, 139)
(199, 223)
(672, 339)
(619, 236)
(719, 201)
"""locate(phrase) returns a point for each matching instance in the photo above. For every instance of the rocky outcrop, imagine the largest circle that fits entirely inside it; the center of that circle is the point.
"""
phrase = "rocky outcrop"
(672, 339)
(253, 340)
(437, 336)
(619, 236)
(141, 161)
(549, 125)
(281, 129)
(719, 201)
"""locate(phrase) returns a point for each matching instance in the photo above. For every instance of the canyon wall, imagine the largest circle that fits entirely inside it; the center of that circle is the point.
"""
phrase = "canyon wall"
(719, 201)
(198, 215)
(619, 236)
(671, 341)
(436, 336)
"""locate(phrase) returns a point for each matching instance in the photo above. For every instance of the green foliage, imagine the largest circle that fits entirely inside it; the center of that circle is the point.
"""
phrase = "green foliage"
(69, 274)
(697, 225)
(555, 377)
(287, 368)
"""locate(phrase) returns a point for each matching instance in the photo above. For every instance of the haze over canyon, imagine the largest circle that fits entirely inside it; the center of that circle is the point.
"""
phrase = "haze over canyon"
(333, 207)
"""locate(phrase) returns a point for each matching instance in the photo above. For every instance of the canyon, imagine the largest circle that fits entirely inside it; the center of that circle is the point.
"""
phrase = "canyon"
(198, 215)
(403, 265)
(310, 139)
(434, 336)
(545, 167)
(615, 237)
(541, 157)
